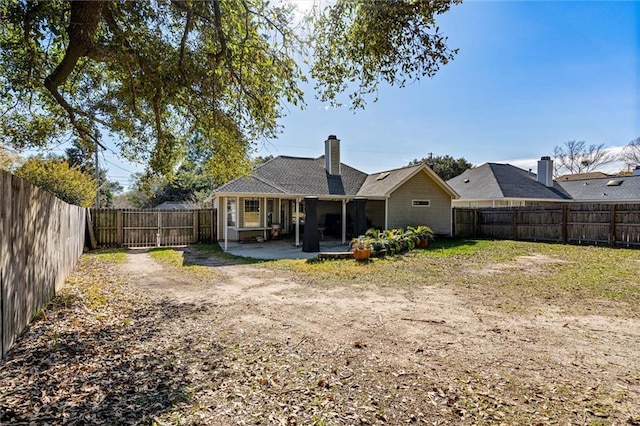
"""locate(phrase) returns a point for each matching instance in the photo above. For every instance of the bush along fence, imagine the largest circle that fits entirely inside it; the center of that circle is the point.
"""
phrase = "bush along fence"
(151, 228)
(41, 239)
(572, 223)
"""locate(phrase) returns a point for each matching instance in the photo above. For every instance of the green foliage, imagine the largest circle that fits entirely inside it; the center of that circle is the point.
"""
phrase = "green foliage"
(370, 41)
(81, 155)
(393, 241)
(56, 176)
(154, 74)
(445, 166)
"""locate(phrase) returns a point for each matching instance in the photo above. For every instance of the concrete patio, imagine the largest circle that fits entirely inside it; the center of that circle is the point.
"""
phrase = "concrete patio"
(280, 249)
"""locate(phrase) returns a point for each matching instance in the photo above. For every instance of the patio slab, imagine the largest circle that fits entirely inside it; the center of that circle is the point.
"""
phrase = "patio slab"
(281, 249)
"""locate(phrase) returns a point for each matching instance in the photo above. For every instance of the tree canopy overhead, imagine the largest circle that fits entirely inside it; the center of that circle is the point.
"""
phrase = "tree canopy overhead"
(156, 74)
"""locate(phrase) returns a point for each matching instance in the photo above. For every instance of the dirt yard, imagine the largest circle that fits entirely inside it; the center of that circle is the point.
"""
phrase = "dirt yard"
(229, 343)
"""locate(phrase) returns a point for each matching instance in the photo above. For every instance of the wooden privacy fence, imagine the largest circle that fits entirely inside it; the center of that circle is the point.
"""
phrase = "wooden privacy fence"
(579, 223)
(41, 239)
(152, 228)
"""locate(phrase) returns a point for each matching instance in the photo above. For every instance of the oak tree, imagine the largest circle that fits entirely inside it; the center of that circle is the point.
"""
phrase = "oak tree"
(445, 166)
(155, 74)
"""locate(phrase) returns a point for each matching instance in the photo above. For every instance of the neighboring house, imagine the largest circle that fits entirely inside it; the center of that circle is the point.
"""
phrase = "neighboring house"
(612, 189)
(272, 198)
(504, 185)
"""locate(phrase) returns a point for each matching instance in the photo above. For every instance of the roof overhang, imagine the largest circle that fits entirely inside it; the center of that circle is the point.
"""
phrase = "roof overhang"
(437, 179)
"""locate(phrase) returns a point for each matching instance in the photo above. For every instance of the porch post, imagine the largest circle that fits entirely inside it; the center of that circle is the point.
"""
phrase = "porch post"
(344, 221)
(310, 241)
(360, 219)
(386, 213)
(297, 222)
(225, 215)
(264, 218)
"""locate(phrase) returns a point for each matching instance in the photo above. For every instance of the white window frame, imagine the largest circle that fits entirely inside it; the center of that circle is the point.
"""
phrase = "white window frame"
(420, 203)
(255, 215)
(232, 208)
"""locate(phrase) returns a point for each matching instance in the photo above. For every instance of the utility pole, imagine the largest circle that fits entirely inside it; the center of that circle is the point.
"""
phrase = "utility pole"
(98, 144)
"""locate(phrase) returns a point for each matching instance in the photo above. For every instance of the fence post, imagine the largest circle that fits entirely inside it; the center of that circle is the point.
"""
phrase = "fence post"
(514, 222)
(119, 240)
(474, 227)
(196, 234)
(612, 226)
(565, 215)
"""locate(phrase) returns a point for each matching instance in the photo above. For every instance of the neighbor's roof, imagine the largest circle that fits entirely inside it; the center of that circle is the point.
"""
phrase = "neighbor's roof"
(579, 176)
(612, 188)
(297, 176)
(492, 181)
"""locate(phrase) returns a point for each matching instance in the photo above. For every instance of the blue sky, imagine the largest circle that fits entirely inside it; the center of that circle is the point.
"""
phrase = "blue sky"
(529, 76)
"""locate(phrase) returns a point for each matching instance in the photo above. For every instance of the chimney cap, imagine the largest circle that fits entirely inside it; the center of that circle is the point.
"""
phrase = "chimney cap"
(332, 137)
(546, 157)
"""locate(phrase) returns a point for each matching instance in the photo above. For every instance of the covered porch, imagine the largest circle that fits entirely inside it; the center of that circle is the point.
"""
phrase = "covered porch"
(264, 218)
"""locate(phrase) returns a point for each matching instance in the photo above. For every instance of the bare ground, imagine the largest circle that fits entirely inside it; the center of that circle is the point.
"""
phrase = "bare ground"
(248, 344)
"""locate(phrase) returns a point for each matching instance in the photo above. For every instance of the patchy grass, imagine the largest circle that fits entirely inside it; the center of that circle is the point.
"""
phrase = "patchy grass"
(214, 249)
(105, 353)
(513, 275)
(107, 255)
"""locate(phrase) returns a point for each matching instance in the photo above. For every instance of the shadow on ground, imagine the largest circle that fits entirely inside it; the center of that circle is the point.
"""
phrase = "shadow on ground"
(77, 365)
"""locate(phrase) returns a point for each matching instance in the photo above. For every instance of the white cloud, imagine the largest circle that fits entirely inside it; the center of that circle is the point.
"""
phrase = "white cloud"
(532, 163)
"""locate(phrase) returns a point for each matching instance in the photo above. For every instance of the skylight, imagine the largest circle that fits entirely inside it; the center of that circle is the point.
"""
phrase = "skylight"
(614, 182)
(382, 175)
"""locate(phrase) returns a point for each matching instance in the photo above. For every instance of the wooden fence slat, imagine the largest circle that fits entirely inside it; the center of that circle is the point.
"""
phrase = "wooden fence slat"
(151, 227)
(582, 223)
(41, 239)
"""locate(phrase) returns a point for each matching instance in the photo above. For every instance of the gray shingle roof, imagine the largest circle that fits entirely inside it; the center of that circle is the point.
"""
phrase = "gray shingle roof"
(297, 176)
(495, 181)
(597, 189)
(374, 187)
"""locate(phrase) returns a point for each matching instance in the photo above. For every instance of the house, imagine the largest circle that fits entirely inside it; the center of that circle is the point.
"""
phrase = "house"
(611, 189)
(504, 185)
(285, 193)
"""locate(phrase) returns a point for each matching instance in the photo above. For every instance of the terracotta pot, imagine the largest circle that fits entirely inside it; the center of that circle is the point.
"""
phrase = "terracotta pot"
(423, 243)
(361, 254)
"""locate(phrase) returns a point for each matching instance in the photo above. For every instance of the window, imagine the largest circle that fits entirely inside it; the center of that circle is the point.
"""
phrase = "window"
(251, 213)
(231, 212)
(421, 203)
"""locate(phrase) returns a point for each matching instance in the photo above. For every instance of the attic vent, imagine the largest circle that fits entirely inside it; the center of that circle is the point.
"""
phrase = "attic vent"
(614, 182)
(382, 175)
(466, 181)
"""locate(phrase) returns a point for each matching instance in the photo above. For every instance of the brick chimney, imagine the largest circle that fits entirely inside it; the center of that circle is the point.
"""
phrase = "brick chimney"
(545, 171)
(332, 155)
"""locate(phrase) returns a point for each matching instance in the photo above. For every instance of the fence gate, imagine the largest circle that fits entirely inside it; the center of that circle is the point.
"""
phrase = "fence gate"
(152, 228)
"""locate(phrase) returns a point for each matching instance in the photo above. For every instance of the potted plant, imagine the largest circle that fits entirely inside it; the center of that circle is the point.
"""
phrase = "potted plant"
(361, 248)
(424, 234)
